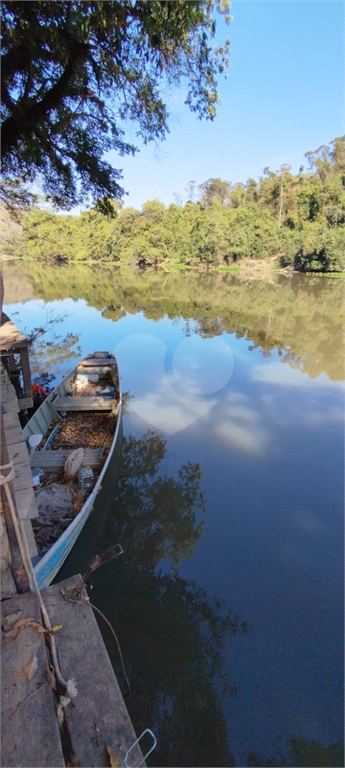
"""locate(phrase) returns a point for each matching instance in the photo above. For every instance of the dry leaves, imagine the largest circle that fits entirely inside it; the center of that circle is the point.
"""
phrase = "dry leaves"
(16, 626)
(10, 619)
(114, 760)
(30, 668)
(54, 629)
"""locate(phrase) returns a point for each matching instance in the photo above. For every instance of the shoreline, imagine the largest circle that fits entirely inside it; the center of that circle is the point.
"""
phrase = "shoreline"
(255, 269)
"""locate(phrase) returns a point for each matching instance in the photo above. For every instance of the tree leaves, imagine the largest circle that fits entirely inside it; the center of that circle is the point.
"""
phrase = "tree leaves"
(76, 69)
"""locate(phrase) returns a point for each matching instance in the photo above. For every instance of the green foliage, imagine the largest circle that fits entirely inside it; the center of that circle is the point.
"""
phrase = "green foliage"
(296, 220)
(74, 73)
(215, 189)
(15, 198)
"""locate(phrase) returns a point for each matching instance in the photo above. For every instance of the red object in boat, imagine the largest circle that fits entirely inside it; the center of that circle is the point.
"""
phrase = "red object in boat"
(37, 389)
(38, 395)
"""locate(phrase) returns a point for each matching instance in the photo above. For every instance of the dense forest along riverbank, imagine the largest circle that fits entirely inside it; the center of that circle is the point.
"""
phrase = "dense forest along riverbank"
(296, 221)
(228, 600)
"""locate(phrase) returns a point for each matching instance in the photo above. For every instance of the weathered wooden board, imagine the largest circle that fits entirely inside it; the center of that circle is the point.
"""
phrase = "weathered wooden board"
(8, 393)
(14, 432)
(23, 476)
(102, 370)
(8, 587)
(26, 503)
(54, 460)
(17, 452)
(25, 402)
(91, 362)
(27, 525)
(98, 715)
(10, 336)
(29, 730)
(24, 359)
(83, 403)
(10, 419)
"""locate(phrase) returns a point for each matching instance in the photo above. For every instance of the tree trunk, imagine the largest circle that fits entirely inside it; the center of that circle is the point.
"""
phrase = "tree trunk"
(280, 202)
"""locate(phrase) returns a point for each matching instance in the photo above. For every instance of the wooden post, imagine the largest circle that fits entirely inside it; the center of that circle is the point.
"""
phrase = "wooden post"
(24, 358)
(17, 565)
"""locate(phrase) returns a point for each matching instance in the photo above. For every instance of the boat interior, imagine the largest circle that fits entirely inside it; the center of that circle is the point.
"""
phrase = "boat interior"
(69, 438)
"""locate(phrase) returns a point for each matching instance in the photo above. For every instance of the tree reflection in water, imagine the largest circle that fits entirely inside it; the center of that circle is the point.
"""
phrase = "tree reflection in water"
(171, 632)
(156, 516)
(302, 753)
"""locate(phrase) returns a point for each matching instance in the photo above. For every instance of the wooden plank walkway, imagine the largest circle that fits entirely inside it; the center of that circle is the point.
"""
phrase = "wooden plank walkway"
(97, 717)
(8, 393)
(13, 341)
(29, 733)
(22, 484)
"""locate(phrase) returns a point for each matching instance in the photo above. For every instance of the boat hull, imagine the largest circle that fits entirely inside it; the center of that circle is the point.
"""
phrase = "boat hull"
(48, 566)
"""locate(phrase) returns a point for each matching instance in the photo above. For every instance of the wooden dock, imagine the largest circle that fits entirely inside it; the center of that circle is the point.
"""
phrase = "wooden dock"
(14, 343)
(23, 484)
(95, 720)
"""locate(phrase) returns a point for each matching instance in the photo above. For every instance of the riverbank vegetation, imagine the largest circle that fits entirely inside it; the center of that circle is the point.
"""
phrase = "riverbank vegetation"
(292, 221)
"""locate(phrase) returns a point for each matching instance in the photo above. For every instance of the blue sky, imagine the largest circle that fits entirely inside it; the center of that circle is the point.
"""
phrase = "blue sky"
(283, 97)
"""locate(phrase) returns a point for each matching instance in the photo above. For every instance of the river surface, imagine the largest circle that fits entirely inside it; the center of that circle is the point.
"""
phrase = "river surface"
(228, 599)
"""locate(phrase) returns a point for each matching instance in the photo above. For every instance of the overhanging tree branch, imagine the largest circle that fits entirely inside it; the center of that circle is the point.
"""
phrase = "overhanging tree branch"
(73, 70)
(24, 117)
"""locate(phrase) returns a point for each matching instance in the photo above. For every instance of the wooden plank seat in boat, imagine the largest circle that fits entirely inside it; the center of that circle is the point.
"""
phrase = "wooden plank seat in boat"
(55, 460)
(94, 361)
(102, 370)
(95, 403)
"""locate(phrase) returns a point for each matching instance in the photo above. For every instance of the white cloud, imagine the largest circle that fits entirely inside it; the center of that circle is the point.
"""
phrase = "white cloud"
(141, 359)
(166, 410)
(243, 438)
(240, 426)
(286, 376)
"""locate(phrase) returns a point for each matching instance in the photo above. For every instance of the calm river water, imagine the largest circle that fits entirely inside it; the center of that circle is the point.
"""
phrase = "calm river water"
(228, 600)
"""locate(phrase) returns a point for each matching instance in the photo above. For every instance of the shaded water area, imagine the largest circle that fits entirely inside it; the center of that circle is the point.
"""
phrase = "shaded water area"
(228, 600)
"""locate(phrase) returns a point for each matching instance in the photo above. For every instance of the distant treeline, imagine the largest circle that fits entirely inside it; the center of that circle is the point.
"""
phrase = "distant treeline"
(296, 219)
